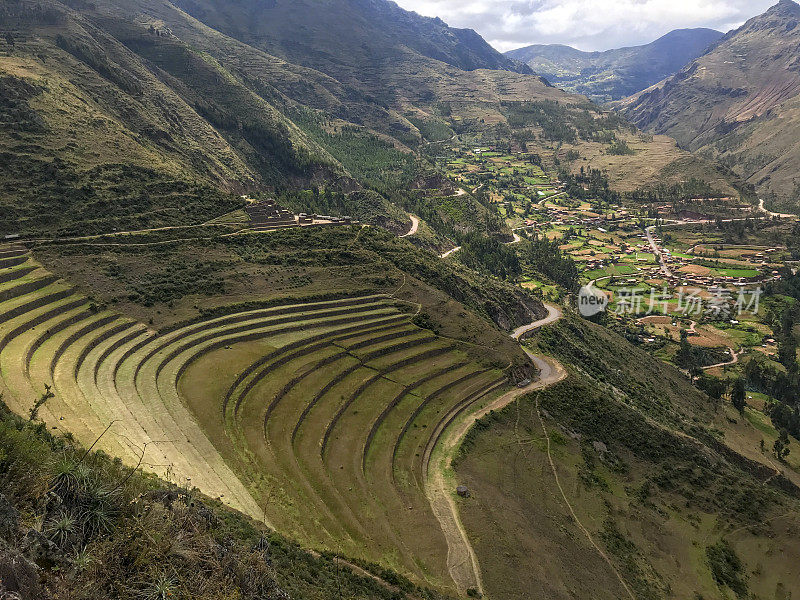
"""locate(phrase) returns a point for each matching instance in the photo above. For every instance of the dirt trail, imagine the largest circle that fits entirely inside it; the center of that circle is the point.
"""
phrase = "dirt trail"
(450, 252)
(735, 359)
(546, 198)
(657, 251)
(553, 314)
(769, 213)
(414, 226)
(580, 525)
(461, 559)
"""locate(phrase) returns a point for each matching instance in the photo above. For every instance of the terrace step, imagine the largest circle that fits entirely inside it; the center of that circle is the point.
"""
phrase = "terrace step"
(6, 262)
(9, 293)
(330, 381)
(14, 274)
(467, 380)
(380, 374)
(38, 315)
(332, 360)
(452, 415)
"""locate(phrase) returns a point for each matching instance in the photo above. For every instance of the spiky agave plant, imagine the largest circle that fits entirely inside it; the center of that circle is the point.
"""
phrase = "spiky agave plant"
(65, 480)
(82, 560)
(164, 587)
(95, 506)
(61, 529)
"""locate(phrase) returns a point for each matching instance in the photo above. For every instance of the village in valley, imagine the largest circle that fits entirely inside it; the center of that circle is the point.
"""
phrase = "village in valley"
(669, 273)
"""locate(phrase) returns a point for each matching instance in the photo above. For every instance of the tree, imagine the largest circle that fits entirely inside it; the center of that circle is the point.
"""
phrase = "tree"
(781, 445)
(713, 386)
(695, 371)
(10, 39)
(787, 349)
(685, 354)
(739, 395)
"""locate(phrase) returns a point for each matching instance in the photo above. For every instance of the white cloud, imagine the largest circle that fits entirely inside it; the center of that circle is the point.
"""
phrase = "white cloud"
(585, 24)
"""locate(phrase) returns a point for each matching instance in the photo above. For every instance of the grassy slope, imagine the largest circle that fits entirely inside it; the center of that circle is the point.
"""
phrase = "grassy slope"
(331, 263)
(99, 136)
(128, 115)
(404, 83)
(658, 490)
(82, 527)
(104, 369)
(377, 31)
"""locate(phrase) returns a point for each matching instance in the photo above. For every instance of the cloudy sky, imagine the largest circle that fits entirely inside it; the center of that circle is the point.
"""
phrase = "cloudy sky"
(585, 24)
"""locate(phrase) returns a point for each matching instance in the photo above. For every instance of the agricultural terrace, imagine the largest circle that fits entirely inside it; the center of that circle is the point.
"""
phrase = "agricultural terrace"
(320, 417)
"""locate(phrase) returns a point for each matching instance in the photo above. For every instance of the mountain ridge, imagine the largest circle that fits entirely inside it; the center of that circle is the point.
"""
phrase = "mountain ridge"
(167, 103)
(739, 103)
(616, 73)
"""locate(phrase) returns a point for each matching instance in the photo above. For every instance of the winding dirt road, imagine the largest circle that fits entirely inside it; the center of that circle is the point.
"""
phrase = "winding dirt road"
(769, 213)
(734, 359)
(462, 562)
(553, 314)
(450, 252)
(414, 226)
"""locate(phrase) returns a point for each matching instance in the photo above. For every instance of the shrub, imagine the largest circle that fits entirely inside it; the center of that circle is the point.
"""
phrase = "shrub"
(727, 568)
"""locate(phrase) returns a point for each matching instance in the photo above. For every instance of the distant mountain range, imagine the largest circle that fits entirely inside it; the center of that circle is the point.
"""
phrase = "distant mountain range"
(739, 103)
(615, 74)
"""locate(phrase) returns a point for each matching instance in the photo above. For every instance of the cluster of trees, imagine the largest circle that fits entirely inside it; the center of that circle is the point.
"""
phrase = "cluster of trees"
(176, 280)
(780, 382)
(684, 190)
(694, 358)
(793, 242)
(432, 130)
(564, 124)
(785, 418)
(15, 111)
(550, 116)
(488, 254)
(789, 282)
(52, 196)
(620, 148)
(367, 206)
(546, 257)
(736, 231)
(589, 184)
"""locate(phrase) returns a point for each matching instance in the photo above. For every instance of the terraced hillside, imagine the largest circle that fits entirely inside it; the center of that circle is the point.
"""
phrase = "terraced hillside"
(318, 417)
(55, 341)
